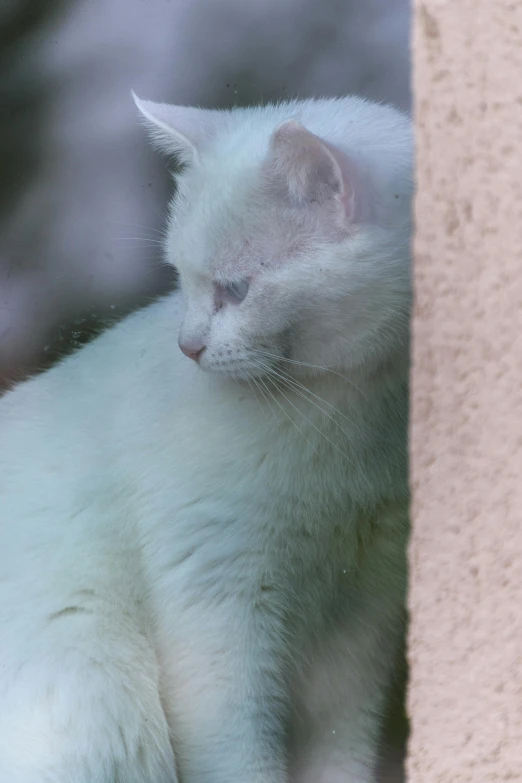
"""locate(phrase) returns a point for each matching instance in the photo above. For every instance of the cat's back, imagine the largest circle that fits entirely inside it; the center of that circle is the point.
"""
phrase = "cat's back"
(57, 422)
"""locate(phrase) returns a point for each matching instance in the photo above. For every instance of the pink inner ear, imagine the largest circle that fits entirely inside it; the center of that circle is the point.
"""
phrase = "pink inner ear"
(312, 169)
(347, 176)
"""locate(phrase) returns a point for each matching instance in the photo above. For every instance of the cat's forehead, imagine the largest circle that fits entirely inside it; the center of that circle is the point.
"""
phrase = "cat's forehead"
(228, 232)
(250, 253)
(237, 249)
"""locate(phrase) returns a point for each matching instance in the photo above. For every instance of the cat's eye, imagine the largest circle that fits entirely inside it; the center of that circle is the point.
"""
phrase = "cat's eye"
(232, 292)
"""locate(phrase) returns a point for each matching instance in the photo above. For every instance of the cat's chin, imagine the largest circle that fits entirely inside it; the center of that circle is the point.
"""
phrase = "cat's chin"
(237, 373)
(232, 374)
(242, 367)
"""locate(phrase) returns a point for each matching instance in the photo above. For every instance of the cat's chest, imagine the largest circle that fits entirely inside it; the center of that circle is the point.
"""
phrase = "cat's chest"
(265, 484)
(222, 486)
(226, 562)
(254, 468)
(216, 436)
(243, 533)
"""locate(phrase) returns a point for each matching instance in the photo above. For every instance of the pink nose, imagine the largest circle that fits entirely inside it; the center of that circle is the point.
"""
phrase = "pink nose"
(191, 350)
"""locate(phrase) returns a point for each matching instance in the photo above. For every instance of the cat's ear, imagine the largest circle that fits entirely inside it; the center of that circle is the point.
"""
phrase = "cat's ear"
(312, 170)
(178, 130)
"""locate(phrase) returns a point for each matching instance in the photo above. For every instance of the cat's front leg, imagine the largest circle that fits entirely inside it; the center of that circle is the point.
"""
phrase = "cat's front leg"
(79, 701)
(225, 696)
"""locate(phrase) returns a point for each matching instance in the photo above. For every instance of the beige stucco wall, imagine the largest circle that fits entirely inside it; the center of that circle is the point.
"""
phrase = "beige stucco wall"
(465, 697)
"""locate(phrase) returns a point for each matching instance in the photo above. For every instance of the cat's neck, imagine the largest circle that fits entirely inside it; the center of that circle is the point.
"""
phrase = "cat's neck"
(342, 391)
(353, 421)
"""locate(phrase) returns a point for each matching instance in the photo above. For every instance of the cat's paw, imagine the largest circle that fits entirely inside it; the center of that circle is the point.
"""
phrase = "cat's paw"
(91, 726)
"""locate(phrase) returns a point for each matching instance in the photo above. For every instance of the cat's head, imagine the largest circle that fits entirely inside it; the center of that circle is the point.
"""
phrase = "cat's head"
(290, 232)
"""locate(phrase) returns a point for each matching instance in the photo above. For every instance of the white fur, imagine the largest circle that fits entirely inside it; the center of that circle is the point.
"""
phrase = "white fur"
(208, 562)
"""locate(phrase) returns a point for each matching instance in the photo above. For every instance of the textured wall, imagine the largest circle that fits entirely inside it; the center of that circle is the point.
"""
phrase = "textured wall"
(466, 551)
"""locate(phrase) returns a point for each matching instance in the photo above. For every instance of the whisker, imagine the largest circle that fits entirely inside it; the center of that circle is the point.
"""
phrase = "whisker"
(253, 390)
(272, 395)
(164, 214)
(301, 394)
(145, 240)
(331, 442)
(306, 364)
(267, 399)
(162, 232)
(301, 389)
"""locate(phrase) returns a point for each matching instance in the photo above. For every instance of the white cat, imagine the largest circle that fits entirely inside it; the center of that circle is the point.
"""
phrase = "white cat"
(202, 563)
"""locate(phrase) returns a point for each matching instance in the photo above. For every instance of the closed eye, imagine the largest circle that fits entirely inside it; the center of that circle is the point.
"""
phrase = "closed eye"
(231, 292)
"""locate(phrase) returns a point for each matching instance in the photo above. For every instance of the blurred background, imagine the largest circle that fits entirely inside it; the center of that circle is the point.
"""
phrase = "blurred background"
(83, 197)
